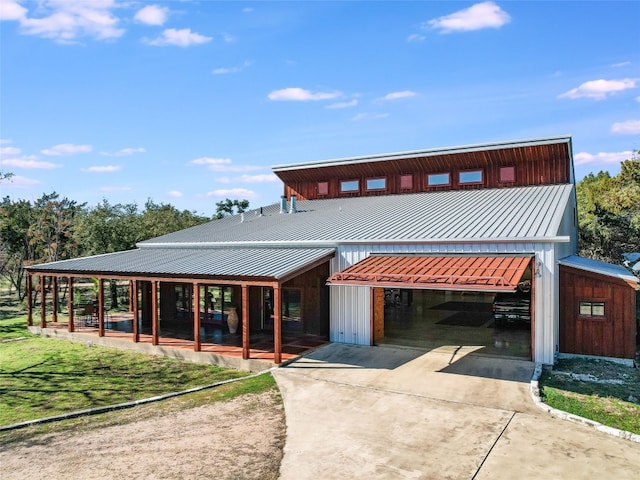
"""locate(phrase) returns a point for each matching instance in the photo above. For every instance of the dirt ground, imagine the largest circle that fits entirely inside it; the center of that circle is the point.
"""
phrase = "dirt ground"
(237, 439)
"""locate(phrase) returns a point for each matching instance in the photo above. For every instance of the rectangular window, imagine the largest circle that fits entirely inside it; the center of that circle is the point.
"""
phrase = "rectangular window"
(470, 176)
(376, 183)
(434, 179)
(323, 188)
(507, 174)
(592, 309)
(349, 186)
(406, 181)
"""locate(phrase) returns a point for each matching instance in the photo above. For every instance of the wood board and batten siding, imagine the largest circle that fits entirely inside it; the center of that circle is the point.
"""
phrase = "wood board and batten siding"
(503, 167)
(607, 333)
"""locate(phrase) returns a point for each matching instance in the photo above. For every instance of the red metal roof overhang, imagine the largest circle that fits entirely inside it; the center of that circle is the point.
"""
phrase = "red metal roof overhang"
(483, 273)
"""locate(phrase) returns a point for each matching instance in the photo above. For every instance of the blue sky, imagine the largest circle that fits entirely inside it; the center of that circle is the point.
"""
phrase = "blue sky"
(190, 102)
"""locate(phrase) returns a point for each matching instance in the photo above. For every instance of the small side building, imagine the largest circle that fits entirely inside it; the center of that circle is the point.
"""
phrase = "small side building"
(597, 309)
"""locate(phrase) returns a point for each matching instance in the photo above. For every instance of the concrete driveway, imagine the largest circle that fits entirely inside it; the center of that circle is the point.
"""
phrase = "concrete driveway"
(394, 413)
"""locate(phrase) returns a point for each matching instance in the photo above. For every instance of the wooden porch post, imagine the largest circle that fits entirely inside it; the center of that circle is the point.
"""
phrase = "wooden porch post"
(277, 325)
(54, 298)
(43, 302)
(71, 326)
(154, 313)
(101, 307)
(29, 300)
(246, 351)
(196, 316)
(131, 293)
(134, 306)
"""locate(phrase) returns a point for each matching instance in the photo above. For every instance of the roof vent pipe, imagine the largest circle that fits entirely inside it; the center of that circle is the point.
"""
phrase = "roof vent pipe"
(294, 208)
(283, 204)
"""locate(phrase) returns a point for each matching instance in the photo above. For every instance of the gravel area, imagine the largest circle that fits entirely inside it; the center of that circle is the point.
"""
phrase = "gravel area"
(237, 439)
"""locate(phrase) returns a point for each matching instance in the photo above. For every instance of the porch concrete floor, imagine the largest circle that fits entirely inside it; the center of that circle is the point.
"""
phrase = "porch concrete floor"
(224, 350)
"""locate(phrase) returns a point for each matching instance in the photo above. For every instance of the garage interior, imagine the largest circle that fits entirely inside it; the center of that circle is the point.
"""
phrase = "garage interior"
(434, 318)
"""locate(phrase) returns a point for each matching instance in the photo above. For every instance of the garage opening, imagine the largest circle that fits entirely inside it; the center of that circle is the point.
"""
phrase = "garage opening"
(428, 302)
(433, 318)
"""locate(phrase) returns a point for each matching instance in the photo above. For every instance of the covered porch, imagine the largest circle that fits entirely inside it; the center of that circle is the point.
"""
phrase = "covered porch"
(272, 318)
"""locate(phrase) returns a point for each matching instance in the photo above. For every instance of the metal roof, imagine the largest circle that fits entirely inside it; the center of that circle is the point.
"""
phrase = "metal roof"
(503, 214)
(484, 273)
(230, 263)
(597, 266)
(531, 142)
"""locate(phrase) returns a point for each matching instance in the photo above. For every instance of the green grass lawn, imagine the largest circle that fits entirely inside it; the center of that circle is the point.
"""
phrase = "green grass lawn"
(603, 391)
(41, 377)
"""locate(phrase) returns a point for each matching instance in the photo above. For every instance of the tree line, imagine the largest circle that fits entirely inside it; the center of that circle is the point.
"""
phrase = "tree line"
(54, 228)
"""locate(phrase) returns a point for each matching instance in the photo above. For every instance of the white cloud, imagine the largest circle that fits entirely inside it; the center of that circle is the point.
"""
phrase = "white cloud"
(398, 95)
(12, 10)
(600, 89)
(227, 70)
(267, 177)
(102, 169)
(174, 193)
(30, 162)
(5, 151)
(621, 64)
(66, 149)
(65, 21)
(124, 152)
(228, 38)
(476, 17)
(369, 116)
(5, 141)
(351, 103)
(180, 38)
(211, 161)
(584, 158)
(19, 182)
(301, 95)
(222, 165)
(630, 127)
(223, 180)
(152, 15)
(233, 193)
(416, 37)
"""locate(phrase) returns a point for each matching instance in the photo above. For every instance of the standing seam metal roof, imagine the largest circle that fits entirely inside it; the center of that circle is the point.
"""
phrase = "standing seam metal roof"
(500, 214)
(272, 263)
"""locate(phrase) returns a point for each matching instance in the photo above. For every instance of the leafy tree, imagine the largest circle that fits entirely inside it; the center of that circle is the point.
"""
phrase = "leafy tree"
(51, 232)
(161, 219)
(226, 207)
(108, 228)
(16, 251)
(609, 213)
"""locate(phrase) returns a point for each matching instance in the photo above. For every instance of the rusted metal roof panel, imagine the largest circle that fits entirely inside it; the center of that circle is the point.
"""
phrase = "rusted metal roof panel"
(264, 263)
(486, 273)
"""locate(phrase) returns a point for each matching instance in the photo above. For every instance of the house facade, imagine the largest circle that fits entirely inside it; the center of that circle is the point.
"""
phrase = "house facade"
(397, 248)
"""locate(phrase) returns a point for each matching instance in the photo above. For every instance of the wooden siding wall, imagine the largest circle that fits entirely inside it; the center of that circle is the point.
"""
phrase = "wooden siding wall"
(534, 165)
(315, 299)
(611, 336)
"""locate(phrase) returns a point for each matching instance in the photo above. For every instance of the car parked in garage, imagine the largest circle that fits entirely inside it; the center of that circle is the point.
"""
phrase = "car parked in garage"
(513, 308)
